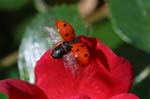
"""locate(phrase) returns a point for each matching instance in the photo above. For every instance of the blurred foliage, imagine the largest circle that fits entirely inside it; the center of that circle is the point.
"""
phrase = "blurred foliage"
(104, 31)
(13, 4)
(3, 96)
(128, 23)
(11, 72)
(132, 23)
(20, 30)
(143, 89)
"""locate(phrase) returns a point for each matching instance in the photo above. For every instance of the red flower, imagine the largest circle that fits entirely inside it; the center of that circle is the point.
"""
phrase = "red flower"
(107, 76)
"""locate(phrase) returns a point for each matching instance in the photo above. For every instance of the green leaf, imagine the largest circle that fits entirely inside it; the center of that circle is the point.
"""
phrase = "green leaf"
(147, 6)
(36, 39)
(12, 4)
(131, 21)
(3, 96)
(106, 34)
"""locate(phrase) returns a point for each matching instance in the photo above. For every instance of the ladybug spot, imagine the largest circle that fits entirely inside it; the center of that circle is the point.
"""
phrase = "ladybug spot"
(86, 55)
(82, 45)
(65, 25)
(66, 34)
(77, 50)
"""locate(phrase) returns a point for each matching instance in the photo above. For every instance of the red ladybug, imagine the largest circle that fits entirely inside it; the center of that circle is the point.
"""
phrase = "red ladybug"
(70, 43)
(65, 30)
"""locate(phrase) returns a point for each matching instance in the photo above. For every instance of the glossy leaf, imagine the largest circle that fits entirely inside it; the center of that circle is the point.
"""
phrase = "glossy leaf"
(131, 21)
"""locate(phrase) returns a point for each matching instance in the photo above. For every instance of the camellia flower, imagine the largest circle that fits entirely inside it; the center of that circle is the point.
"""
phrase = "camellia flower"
(107, 76)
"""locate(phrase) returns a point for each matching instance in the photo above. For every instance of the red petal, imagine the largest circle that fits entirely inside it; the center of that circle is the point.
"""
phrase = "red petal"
(55, 79)
(80, 96)
(17, 89)
(125, 96)
(106, 74)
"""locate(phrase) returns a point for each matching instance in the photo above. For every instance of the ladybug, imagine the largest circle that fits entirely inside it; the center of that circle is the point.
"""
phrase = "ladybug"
(70, 44)
(65, 30)
(81, 53)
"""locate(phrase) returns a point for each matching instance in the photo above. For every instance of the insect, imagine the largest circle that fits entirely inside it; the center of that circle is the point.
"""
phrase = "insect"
(67, 33)
(60, 50)
(69, 44)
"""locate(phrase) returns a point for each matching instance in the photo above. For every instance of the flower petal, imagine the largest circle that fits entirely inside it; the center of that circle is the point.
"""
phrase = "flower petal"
(79, 96)
(106, 74)
(18, 89)
(54, 78)
(125, 96)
